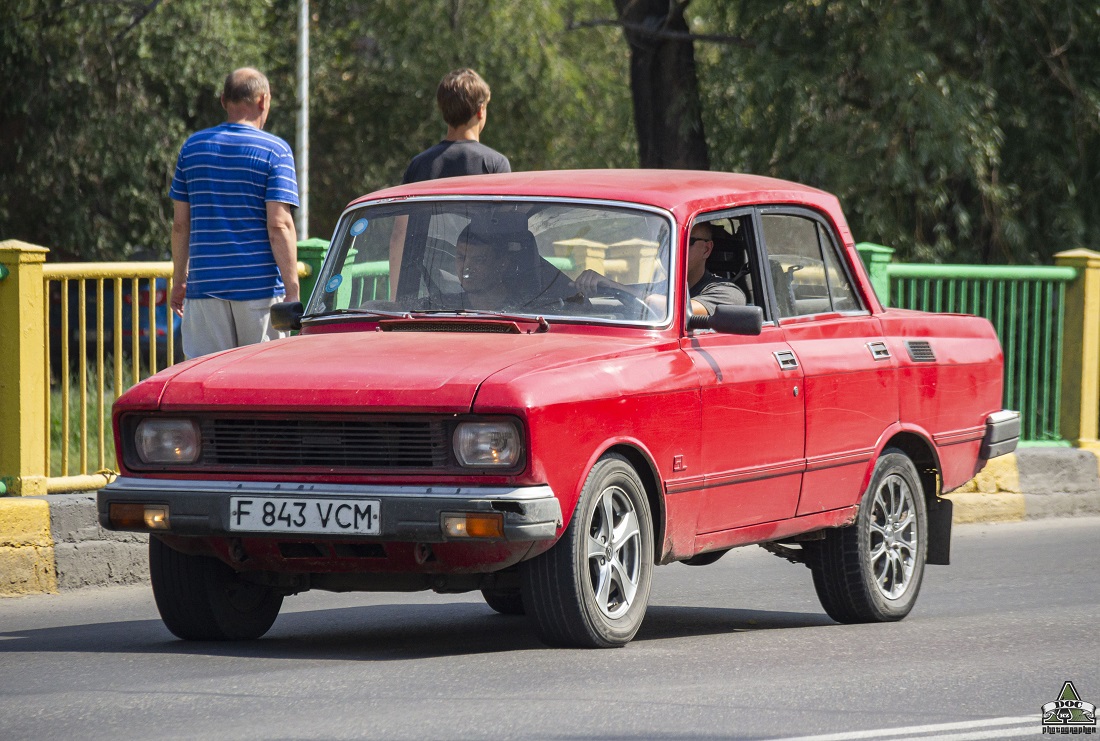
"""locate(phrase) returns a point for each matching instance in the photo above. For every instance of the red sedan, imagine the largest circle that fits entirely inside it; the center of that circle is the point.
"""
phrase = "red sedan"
(540, 386)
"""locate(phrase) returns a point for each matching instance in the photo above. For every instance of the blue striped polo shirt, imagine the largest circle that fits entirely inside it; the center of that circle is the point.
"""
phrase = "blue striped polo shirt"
(228, 174)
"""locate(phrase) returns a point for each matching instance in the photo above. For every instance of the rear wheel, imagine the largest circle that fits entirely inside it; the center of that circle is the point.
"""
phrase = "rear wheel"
(592, 588)
(202, 599)
(871, 571)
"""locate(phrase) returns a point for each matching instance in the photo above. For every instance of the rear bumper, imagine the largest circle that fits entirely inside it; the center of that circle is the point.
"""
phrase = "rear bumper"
(408, 513)
(1002, 433)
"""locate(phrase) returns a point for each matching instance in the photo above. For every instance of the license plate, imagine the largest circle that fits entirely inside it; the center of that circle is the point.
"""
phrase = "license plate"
(305, 515)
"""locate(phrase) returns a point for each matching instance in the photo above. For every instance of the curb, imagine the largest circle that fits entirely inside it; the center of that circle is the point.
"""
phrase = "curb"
(54, 543)
(1031, 483)
(27, 563)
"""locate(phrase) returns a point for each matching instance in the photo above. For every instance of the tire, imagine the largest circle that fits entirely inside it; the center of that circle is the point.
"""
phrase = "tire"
(202, 599)
(871, 571)
(591, 589)
(504, 601)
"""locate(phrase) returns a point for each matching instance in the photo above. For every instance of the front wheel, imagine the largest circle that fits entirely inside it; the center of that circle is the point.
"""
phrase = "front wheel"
(592, 588)
(871, 571)
(202, 599)
(506, 601)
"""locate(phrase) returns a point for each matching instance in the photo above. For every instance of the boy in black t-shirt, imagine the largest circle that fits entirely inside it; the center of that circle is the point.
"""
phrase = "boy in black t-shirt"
(463, 98)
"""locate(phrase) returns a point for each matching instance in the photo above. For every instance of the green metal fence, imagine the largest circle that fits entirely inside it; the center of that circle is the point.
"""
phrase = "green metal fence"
(1026, 306)
(367, 281)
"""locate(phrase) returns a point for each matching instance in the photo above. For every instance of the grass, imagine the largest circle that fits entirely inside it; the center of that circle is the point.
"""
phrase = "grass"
(82, 443)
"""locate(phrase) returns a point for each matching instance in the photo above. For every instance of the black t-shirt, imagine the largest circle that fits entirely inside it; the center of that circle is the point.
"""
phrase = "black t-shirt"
(450, 159)
(712, 291)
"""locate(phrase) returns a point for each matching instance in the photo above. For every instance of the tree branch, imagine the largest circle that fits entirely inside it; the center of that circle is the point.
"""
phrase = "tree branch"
(138, 18)
(646, 30)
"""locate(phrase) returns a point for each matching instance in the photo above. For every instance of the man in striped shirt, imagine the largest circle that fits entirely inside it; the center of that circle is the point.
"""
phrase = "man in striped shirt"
(234, 246)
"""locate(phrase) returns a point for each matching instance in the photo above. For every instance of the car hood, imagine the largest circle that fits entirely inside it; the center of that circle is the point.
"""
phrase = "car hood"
(436, 372)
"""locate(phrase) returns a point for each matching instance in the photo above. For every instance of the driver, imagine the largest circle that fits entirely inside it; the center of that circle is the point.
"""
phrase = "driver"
(706, 289)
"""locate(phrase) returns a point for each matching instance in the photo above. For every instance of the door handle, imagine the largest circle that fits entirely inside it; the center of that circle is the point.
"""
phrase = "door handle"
(878, 349)
(786, 359)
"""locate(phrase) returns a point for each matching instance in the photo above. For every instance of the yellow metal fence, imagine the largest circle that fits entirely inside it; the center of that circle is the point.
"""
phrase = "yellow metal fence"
(73, 337)
(104, 322)
(71, 341)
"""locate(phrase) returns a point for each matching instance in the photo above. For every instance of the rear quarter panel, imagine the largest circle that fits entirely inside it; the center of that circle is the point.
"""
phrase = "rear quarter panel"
(947, 399)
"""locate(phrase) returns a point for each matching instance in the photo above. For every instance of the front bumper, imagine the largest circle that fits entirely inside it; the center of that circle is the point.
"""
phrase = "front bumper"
(408, 513)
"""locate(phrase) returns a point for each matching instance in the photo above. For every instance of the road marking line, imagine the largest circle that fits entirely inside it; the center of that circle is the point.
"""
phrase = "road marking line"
(909, 730)
(1029, 730)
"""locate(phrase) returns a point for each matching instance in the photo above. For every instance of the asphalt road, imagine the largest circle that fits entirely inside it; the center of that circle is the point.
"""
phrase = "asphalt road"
(738, 649)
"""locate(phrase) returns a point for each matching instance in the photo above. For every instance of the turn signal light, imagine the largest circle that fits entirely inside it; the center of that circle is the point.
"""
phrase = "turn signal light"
(131, 516)
(474, 525)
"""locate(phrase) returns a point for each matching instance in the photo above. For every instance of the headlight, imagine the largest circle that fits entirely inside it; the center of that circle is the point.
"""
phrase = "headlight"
(487, 444)
(168, 441)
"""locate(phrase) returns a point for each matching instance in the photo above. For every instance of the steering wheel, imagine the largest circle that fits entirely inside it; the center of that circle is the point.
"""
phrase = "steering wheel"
(626, 298)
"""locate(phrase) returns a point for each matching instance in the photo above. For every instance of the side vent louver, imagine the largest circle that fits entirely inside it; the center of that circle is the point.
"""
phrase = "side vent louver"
(920, 351)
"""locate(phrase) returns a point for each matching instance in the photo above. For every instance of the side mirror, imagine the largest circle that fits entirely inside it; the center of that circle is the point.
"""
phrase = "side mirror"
(746, 320)
(287, 316)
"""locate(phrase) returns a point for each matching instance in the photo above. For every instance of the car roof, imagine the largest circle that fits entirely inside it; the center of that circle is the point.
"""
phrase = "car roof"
(684, 192)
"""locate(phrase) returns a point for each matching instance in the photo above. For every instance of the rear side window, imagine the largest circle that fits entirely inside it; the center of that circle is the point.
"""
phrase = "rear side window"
(807, 274)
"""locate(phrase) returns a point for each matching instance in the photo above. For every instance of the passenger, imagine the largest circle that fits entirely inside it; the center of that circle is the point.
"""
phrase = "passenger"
(706, 289)
(489, 269)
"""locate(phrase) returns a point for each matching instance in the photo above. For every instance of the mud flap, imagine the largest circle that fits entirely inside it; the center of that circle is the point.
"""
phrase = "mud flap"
(939, 531)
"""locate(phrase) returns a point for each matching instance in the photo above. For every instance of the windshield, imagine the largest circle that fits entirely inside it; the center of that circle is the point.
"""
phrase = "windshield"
(492, 256)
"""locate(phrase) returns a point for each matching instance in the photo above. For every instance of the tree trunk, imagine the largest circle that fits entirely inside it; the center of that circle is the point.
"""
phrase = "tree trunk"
(663, 83)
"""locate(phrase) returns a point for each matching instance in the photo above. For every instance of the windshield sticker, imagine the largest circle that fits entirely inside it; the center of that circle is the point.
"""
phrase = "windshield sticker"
(358, 227)
(335, 281)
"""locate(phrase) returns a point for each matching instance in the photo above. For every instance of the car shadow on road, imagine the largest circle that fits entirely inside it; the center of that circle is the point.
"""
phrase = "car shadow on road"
(664, 622)
(386, 632)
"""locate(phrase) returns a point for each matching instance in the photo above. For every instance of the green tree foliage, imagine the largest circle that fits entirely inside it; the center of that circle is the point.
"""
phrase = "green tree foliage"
(955, 131)
(95, 101)
(97, 98)
(559, 99)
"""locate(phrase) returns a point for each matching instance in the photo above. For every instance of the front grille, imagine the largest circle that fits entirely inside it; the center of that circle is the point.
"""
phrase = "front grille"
(360, 444)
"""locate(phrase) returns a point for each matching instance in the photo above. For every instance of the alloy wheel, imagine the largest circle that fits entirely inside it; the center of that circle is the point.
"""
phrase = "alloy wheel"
(614, 552)
(893, 536)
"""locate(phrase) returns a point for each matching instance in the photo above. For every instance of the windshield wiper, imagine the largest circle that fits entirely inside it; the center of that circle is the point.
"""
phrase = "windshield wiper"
(360, 312)
(543, 324)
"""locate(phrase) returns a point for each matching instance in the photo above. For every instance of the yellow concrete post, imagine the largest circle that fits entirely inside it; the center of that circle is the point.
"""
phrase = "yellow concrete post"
(638, 258)
(587, 254)
(28, 564)
(23, 383)
(1081, 350)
